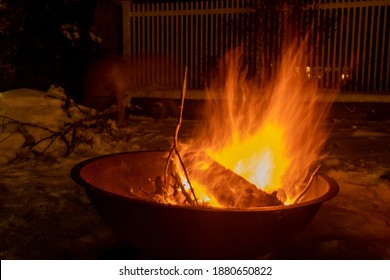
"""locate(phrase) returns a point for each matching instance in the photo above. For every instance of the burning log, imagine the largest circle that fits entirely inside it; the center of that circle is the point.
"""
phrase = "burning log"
(227, 187)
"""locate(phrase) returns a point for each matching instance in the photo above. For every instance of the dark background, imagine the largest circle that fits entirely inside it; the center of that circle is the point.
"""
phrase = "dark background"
(34, 50)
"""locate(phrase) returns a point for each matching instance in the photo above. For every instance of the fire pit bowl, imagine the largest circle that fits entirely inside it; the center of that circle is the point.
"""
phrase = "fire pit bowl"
(189, 232)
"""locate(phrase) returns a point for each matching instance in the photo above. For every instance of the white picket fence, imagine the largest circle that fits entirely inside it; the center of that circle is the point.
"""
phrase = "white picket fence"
(348, 46)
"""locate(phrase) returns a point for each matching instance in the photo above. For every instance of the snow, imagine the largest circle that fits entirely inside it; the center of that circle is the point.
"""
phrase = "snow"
(27, 107)
(45, 215)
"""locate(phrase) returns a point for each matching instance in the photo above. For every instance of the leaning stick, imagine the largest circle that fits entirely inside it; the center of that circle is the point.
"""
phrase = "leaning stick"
(175, 145)
(307, 185)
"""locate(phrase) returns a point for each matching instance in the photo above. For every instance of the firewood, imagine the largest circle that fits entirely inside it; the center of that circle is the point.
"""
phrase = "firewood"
(227, 187)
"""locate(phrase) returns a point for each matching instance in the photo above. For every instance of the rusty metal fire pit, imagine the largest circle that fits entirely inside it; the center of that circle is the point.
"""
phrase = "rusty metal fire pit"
(189, 232)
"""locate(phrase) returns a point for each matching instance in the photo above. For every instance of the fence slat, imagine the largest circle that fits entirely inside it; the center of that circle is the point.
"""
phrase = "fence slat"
(336, 34)
(353, 24)
(387, 80)
(385, 31)
(369, 61)
(364, 60)
(126, 26)
(343, 44)
(376, 61)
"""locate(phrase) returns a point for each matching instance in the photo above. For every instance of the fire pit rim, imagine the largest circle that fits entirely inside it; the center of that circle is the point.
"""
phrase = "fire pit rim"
(76, 176)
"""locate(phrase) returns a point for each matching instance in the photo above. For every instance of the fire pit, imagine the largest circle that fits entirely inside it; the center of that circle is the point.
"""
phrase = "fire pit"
(193, 232)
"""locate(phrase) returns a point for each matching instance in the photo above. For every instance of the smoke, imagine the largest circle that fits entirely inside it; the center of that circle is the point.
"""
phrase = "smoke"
(118, 79)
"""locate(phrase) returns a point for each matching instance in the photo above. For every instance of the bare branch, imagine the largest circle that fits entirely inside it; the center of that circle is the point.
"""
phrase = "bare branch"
(89, 121)
(175, 147)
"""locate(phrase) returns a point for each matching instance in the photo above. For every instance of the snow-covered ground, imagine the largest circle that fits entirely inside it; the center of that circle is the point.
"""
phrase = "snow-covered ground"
(45, 215)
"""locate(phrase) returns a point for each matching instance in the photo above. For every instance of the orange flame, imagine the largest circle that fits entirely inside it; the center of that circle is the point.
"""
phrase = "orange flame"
(270, 136)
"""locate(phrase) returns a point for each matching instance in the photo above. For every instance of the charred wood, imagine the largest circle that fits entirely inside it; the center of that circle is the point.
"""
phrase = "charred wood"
(227, 187)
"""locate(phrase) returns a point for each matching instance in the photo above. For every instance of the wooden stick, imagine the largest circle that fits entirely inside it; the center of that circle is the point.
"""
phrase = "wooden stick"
(167, 166)
(182, 97)
(307, 185)
(175, 146)
(187, 177)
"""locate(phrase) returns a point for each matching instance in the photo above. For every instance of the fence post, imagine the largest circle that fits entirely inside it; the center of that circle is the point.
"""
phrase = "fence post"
(126, 27)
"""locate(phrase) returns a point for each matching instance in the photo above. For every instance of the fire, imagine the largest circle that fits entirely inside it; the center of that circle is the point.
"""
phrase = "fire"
(204, 197)
(260, 158)
(271, 136)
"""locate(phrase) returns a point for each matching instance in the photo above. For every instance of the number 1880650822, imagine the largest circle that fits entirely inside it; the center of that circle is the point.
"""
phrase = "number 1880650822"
(244, 270)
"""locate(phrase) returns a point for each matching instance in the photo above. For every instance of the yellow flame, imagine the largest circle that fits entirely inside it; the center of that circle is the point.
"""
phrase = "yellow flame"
(261, 158)
(270, 136)
(203, 196)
